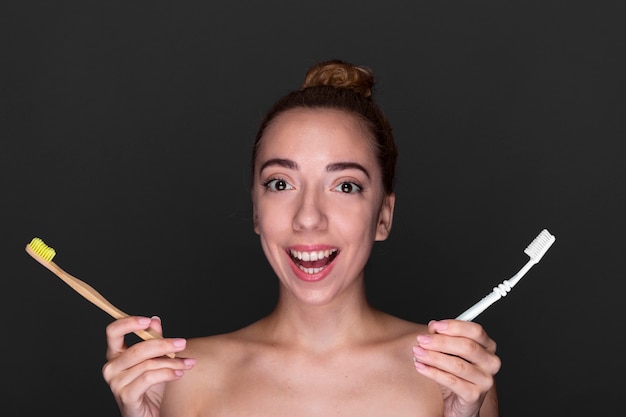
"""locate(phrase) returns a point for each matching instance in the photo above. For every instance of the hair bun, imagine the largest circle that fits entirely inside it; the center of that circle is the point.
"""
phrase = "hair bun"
(340, 74)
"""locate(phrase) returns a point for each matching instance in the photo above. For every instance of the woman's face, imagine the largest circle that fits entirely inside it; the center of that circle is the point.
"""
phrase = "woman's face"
(319, 203)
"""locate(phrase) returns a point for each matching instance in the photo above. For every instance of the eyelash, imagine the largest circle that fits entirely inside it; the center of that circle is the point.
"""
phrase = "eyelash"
(270, 185)
(356, 188)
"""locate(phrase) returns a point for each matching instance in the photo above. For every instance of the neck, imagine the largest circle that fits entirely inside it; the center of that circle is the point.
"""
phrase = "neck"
(347, 319)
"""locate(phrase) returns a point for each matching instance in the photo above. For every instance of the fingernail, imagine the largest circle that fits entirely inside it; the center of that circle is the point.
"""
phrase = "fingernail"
(144, 321)
(424, 339)
(418, 351)
(189, 362)
(179, 343)
(439, 325)
(156, 318)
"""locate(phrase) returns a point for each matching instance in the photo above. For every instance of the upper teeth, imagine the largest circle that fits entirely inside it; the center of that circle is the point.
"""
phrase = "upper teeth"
(313, 255)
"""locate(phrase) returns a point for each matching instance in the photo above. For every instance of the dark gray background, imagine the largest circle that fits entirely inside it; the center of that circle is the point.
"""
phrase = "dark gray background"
(125, 136)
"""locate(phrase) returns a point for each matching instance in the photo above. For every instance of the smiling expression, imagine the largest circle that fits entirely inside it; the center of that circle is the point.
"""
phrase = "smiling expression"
(318, 200)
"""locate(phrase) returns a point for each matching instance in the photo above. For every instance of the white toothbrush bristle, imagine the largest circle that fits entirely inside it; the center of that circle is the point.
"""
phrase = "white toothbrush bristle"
(540, 245)
(537, 248)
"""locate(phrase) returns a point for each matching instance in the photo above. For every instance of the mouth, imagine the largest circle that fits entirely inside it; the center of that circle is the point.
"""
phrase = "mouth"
(313, 262)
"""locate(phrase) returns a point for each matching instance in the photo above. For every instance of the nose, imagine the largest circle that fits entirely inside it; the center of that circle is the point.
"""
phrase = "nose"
(310, 213)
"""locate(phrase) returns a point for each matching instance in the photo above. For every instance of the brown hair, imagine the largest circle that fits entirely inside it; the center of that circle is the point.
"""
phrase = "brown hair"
(343, 86)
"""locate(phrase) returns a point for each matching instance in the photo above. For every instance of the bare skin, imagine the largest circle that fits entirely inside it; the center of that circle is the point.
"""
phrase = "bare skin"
(258, 373)
(323, 351)
(249, 373)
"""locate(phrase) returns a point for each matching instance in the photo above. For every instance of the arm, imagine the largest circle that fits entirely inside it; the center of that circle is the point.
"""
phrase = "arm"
(490, 407)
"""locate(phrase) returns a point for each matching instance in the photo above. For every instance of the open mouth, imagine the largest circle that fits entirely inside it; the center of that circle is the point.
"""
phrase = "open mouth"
(313, 262)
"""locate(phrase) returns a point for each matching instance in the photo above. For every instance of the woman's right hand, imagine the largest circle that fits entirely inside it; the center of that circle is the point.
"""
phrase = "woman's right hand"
(137, 375)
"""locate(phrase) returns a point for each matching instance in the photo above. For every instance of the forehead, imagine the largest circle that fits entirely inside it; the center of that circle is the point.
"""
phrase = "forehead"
(301, 132)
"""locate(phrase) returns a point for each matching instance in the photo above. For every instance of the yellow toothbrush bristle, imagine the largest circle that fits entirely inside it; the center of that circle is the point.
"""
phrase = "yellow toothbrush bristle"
(41, 249)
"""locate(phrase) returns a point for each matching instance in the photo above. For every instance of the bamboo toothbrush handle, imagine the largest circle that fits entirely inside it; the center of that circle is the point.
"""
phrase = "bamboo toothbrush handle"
(90, 293)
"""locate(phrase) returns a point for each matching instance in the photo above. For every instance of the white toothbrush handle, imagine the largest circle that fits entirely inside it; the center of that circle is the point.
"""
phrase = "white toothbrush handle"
(497, 293)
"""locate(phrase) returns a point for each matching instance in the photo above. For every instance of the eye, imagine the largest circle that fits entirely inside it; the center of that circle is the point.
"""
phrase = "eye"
(277, 184)
(349, 188)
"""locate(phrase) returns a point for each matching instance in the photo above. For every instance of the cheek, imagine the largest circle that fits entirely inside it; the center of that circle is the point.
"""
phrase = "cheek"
(270, 219)
(355, 221)
(273, 230)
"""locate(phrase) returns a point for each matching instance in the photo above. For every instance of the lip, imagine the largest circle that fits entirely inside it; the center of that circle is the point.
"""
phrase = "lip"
(325, 270)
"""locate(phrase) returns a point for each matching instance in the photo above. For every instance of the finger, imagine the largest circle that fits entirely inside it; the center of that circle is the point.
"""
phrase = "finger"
(465, 329)
(450, 370)
(466, 350)
(154, 331)
(142, 357)
(131, 395)
(156, 325)
(119, 378)
(468, 390)
(116, 331)
(149, 349)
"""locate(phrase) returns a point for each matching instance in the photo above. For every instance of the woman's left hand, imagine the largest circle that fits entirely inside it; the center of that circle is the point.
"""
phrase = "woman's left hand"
(461, 358)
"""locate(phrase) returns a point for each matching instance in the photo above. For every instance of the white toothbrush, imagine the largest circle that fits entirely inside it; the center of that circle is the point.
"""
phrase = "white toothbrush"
(537, 248)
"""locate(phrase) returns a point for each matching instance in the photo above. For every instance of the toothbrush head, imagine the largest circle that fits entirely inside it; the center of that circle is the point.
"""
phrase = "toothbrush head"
(540, 245)
(39, 248)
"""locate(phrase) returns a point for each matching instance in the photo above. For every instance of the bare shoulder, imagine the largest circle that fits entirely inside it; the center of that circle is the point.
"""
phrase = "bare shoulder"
(401, 329)
(247, 373)
(217, 358)
(398, 337)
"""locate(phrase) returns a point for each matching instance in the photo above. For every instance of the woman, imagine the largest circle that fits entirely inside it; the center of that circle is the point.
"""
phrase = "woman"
(322, 191)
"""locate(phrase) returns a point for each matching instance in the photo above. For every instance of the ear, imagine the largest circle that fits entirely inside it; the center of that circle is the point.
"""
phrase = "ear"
(385, 217)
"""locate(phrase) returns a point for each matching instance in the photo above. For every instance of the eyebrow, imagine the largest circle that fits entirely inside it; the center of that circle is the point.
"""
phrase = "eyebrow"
(285, 163)
(334, 167)
(340, 166)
